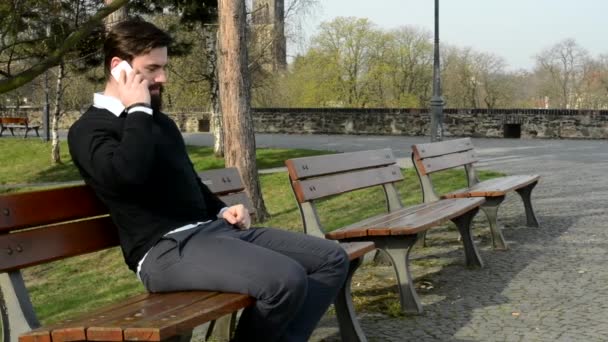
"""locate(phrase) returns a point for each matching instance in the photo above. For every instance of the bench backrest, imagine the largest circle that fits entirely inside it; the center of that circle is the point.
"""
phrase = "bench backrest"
(42, 226)
(438, 156)
(228, 186)
(318, 177)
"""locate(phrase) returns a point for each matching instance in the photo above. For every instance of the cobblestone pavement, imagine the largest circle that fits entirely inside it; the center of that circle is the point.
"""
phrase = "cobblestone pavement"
(551, 285)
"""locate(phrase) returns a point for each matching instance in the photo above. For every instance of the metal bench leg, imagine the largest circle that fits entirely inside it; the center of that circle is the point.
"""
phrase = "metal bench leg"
(398, 250)
(422, 239)
(490, 208)
(471, 255)
(525, 194)
(16, 311)
(12, 132)
(350, 330)
(221, 329)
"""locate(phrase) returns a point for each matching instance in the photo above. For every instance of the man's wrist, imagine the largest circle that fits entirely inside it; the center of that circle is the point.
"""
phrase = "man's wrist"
(139, 107)
(221, 213)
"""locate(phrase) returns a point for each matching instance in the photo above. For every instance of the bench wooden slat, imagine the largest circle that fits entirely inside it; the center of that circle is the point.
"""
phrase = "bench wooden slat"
(430, 165)
(156, 307)
(47, 207)
(306, 167)
(222, 181)
(44, 333)
(423, 220)
(315, 188)
(69, 334)
(494, 187)
(408, 221)
(188, 318)
(440, 148)
(357, 249)
(41, 245)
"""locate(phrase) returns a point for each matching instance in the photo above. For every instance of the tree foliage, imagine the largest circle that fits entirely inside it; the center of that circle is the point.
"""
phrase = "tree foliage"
(352, 63)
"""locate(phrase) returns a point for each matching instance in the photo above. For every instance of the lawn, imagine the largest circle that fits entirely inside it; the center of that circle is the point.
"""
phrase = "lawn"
(68, 287)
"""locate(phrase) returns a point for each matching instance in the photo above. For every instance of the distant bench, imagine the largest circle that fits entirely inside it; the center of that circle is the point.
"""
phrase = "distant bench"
(17, 123)
(433, 157)
(43, 226)
(394, 232)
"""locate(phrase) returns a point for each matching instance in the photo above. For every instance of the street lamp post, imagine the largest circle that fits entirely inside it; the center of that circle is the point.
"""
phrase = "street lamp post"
(437, 99)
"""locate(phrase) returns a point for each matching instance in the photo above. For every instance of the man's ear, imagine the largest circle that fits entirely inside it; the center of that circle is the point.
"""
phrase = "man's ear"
(114, 62)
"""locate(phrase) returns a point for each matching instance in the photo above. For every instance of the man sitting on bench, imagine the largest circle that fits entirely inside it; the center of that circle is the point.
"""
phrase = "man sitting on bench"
(174, 233)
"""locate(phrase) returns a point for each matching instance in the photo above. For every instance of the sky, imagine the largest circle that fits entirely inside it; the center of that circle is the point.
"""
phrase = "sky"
(516, 30)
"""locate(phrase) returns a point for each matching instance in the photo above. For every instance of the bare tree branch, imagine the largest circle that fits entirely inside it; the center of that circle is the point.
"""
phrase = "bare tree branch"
(56, 56)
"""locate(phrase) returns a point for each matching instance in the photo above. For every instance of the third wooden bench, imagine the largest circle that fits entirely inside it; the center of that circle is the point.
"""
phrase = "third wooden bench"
(395, 232)
(432, 157)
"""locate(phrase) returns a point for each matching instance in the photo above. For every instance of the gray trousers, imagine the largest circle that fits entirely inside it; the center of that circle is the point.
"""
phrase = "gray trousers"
(294, 277)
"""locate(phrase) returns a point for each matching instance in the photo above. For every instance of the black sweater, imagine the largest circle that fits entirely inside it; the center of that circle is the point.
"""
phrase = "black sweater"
(138, 166)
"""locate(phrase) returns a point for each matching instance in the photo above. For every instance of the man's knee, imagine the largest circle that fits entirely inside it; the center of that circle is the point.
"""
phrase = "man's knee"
(338, 259)
(288, 287)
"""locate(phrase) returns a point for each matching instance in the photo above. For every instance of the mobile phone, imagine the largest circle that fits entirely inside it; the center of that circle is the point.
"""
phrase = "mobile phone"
(124, 65)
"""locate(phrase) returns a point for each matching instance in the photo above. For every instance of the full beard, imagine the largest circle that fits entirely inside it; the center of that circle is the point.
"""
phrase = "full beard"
(156, 100)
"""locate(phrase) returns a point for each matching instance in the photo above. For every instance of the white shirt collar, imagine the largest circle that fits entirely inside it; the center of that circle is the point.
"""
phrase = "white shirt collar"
(110, 103)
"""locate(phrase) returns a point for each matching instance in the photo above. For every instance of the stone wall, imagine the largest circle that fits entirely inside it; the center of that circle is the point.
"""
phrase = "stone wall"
(525, 123)
(186, 122)
(529, 123)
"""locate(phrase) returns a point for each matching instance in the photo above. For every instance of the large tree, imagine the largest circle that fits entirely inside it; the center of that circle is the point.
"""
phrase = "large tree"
(235, 98)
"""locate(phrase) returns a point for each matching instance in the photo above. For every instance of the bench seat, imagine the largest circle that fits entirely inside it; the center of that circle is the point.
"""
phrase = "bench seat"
(494, 187)
(155, 317)
(145, 317)
(407, 221)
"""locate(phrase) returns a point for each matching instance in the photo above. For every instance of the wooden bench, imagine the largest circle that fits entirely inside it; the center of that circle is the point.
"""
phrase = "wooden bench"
(42, 226)
(432, 157)
(17, 123)
(395, 232)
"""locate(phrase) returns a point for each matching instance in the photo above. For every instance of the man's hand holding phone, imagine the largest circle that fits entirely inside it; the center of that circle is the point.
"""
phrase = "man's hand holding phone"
(132, 86)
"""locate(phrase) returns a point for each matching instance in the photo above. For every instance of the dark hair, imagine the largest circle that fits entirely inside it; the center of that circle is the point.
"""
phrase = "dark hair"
(131, 38)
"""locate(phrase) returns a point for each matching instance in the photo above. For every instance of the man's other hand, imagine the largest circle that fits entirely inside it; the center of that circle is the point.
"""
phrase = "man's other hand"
(133, 88)
(238, 215)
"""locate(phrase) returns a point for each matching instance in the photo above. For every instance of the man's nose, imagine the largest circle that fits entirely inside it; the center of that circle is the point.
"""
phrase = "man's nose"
(161, 77)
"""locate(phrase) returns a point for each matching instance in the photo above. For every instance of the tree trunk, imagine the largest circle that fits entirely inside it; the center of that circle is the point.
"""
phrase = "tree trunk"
(210, 32)
(235, 99)
(116, 16)
(55, 152)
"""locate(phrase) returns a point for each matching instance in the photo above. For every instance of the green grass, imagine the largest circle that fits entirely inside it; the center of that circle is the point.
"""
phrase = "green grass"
(69, 287)
(28, 161)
